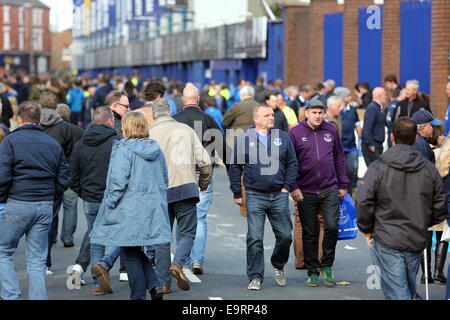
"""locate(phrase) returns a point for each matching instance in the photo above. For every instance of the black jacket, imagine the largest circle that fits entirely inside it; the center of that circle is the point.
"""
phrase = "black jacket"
(373, 133)
(61, 131)
(192, 114)
(280, 120)
(407, 108)
(400, 197)
(90, 161)
(118, 124)
(32, 166)
(7, 111)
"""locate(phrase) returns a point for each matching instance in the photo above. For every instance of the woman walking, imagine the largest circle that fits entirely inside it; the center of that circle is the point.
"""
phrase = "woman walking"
(134, 213)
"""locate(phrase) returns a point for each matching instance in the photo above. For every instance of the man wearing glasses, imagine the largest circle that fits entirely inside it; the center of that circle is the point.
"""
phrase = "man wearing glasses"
(119, 104)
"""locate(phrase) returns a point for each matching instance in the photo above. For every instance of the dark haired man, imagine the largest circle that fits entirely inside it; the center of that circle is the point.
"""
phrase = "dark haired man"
(396, 228)
(102, 92)
(281, 122)
(120, 105)
(135, 102)
(33, 169)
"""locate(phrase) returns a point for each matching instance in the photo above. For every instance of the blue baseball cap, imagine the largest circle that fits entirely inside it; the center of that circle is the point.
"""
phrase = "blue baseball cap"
(424, 117)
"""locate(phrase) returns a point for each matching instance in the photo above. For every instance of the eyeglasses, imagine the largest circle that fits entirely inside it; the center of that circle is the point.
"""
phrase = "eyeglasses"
(127, 106)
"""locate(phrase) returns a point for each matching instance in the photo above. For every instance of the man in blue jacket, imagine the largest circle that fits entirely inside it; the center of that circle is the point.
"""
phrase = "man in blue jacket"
(321, 180)
(374, 133)
(267, 159)
(33, 169)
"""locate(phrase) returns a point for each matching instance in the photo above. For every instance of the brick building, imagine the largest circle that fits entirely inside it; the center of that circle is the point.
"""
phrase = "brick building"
(412, 42)
(25, 41)
(61, 56)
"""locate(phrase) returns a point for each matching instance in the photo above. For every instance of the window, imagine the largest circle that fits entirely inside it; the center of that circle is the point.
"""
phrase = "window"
(6, 15)
(38, 17)
(37, 39)
(21, 38)
(6, 39)
(21, 16)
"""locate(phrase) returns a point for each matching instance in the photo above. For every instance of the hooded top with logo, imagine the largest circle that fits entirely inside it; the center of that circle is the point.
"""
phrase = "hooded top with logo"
(321, 158)
(400, 197)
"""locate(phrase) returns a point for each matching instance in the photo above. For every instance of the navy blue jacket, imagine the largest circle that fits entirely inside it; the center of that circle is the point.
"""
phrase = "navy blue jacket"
(32, 166)
(349, 120)
(135, 103)
(265, 170)
(100, 96)
(373, 130)
(424, 148)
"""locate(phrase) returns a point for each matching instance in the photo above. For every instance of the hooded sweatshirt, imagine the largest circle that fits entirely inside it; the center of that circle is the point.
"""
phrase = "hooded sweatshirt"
(401, 196)
(90, 161)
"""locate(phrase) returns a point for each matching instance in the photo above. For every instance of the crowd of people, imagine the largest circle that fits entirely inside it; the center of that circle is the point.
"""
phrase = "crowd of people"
(141, 154)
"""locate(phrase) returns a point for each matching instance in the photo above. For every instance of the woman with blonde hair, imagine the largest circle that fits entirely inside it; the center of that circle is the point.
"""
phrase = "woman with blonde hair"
(134, 213)
(443, 166)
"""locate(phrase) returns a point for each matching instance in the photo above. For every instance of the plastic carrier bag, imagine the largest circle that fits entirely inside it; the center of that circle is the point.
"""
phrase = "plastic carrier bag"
(348, 229)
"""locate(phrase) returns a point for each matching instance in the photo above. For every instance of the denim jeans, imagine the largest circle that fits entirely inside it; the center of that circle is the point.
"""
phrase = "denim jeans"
(198, 250)
(398, 271)
(160, 255)
(32, 219)
(351, 159)
(69, 223)
(328, 204)
(447, 289)
(276, 207)
(110, 257)
(141, 276)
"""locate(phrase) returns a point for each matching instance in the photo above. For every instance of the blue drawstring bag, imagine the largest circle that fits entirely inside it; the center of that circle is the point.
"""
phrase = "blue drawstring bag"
(348, 229)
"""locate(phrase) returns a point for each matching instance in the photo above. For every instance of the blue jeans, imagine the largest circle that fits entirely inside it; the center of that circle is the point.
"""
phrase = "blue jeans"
(110, 256)
(447, 290)
(16, 219)
(398, 271)
(160, 255)
(140, 271)
(276, 207)
(69, 223)
(198, 250)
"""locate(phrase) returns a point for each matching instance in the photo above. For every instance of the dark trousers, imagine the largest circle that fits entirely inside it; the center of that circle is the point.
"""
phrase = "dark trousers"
(53, 233)
(327, 204)
(141, 276)
(370, 156)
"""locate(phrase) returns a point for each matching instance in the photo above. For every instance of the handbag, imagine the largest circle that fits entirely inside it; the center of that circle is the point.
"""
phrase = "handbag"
(348, 229)
(446, 234)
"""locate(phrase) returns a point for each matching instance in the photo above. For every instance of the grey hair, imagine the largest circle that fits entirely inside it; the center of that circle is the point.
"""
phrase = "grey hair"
(414, 83)
(247, 91)
(292, 88)
(161, 108)
(64, 111)
(331, 100)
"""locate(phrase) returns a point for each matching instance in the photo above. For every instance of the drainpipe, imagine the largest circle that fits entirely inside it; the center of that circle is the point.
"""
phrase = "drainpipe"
(268, 10)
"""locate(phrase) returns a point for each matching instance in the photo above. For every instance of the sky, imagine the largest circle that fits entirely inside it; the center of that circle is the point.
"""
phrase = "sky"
(60, 14)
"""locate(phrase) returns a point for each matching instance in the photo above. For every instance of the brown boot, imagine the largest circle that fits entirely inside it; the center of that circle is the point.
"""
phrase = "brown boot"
(102, 276)
(178, 274)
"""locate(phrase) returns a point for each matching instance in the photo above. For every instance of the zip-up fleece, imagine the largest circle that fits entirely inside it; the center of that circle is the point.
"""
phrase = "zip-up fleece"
(321, 158)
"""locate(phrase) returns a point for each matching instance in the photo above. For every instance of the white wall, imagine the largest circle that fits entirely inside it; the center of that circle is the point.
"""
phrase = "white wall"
(212, 13)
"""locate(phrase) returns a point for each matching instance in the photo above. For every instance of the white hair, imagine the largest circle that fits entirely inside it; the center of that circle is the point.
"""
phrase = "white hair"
(161, 108)
(247, 91)
(332, 100)
(414, 83)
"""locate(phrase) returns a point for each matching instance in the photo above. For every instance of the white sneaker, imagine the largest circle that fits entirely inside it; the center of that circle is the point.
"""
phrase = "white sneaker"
(123, 277)
(280, 277)
(255, 284)
(48, 273)
(77, 275)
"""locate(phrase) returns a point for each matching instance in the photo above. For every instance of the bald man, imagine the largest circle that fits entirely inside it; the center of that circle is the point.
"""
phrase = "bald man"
(205, 126)
(373, 134)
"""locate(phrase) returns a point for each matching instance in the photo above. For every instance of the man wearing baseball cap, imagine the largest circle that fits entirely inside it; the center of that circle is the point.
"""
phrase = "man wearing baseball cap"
(425, 122)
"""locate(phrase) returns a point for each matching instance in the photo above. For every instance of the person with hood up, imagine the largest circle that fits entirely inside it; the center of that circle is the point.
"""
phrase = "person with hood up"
(134, 212)
(395, 226)
(89, 167)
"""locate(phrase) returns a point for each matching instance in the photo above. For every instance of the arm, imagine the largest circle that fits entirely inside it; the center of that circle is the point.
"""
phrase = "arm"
(366, 200)
(358, 126)
(6, 164)
(340, 163)
(118, 176)
(203, 161)
(75, 171)
(293, 142)
(236, 170)
(229, 117)
(62, 180)
(291, 168)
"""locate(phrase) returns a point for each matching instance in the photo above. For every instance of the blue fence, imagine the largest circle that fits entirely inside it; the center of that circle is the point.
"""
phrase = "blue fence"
(228, 71)
(333, 25)
(369, 49)
(415, 43)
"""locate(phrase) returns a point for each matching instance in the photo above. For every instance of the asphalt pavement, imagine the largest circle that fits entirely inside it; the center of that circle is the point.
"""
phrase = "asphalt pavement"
(224, 275)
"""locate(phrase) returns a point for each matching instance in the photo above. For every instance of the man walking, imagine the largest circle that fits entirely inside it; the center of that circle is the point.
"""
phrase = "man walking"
(33, 169)
(119, 104)
(320, 182)
(280, 119)
(89, 169)
(183, 151)
(396, 230)
(373, 133)
(267, 159)
(425, 122)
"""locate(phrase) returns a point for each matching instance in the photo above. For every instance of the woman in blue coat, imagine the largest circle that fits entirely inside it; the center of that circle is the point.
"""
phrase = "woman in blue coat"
(133, 213)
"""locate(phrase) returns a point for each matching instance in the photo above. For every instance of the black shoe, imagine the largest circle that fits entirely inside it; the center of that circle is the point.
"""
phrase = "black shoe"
(157, 293)
(430, 279)
(417, 297)
(68, 245)
(441, 256)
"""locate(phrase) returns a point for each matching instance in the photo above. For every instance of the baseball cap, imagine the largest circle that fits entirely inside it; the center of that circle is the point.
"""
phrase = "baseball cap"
(342, 92)
(424, 117)
(315, 103)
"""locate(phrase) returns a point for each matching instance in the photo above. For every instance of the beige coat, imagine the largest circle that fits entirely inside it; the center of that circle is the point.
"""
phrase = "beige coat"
(183, 151)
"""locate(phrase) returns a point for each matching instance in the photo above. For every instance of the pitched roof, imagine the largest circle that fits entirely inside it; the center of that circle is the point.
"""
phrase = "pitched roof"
(34, 3)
